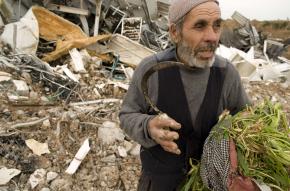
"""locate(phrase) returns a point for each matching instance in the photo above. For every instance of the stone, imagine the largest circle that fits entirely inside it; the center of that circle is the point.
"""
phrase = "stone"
(46, 124)
(108, 133)
(44, 99)
(4, 78)
(21, 87)
(37, 177)
(51, 176)
(109, 159)
(109, 175)
(122, 151)
(45, 189)
(60, 184)
(42, 113)
(33, 96)
(135, 151)
(13, 98)
(128, 145)
(19, 114)
(27, 77)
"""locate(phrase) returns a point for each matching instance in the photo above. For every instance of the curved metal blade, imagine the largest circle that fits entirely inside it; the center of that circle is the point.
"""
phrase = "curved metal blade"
(149, 72)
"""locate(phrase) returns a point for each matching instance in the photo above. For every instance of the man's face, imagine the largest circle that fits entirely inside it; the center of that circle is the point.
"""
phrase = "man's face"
(199, 37)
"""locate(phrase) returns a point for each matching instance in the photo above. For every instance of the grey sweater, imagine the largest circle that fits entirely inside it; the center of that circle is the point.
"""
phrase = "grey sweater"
(133, 114)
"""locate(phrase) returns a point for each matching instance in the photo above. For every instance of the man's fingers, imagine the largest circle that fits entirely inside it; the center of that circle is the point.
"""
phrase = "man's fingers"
(168, 122)
(171, 150)
(170, 146)
(167, 135)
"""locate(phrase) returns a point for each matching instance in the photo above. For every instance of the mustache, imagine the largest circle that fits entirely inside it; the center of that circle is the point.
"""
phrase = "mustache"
(207, 47)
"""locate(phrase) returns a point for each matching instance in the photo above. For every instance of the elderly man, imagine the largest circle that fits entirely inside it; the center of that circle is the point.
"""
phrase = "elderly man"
(193, 97)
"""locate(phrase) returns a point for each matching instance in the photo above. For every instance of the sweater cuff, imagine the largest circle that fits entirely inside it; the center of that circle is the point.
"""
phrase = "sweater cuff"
(149, 142)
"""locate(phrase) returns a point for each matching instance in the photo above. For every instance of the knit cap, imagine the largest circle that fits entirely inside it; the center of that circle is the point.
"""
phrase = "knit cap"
(179, 8)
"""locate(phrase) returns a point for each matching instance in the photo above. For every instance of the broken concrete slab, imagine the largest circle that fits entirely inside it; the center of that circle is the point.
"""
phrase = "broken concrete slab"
(22, 88)
(71, 75)
(37, 147)
(7, 174)
(50, 176)
(37, 177)
(77, 61)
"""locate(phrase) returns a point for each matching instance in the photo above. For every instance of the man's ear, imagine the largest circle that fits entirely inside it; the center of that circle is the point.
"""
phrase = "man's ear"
(173, 33)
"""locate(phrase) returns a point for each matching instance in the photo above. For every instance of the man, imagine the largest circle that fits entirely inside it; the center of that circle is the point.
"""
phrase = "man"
(192, 97)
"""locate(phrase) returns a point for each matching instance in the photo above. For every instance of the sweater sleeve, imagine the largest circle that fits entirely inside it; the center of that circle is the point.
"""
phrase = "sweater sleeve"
(133, 114)
(236, 97)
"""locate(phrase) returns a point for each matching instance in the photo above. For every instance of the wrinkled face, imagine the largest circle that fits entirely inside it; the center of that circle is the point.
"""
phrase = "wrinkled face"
(199, 36)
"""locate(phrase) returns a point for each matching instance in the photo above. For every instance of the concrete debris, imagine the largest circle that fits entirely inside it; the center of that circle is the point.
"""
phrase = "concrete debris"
(122, 151)
(50, 176)
(77, 61)
(7, 174)
(108, 133)
(21, 87)
(38, 177)
(37, 147)
(109, 159)
(65, 81)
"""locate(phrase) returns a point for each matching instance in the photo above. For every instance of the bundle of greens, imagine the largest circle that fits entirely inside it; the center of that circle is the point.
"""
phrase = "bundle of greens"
(262, 138)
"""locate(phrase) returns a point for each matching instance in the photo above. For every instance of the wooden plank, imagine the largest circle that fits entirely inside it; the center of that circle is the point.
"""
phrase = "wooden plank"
(66, 9)
(97, 18)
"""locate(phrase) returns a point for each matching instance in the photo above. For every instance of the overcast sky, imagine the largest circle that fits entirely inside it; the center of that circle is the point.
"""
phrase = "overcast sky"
(257, 9)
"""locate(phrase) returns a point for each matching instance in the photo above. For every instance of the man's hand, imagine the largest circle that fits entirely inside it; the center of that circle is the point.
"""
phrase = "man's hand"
(159, 130)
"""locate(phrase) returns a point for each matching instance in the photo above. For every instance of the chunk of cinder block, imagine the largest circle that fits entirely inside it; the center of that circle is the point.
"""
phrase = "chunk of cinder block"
(21, 87)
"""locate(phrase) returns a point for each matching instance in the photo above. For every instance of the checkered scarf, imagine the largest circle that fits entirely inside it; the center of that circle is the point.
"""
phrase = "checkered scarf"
(215, 160)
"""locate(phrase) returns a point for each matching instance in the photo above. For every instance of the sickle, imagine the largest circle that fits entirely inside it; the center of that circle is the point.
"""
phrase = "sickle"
(149, 72)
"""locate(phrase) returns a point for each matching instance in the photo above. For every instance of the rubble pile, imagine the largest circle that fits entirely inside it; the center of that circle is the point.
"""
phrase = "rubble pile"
(61, 88)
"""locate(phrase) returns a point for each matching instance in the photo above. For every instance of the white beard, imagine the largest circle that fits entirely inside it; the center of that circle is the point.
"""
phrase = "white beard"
(195, 62)
(186, 54)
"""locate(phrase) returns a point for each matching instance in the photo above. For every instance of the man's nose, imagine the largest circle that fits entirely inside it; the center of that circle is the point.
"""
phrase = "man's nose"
(211, 35)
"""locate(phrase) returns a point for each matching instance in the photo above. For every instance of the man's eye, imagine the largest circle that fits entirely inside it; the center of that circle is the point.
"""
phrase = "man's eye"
(200, 25)
(217, 26)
